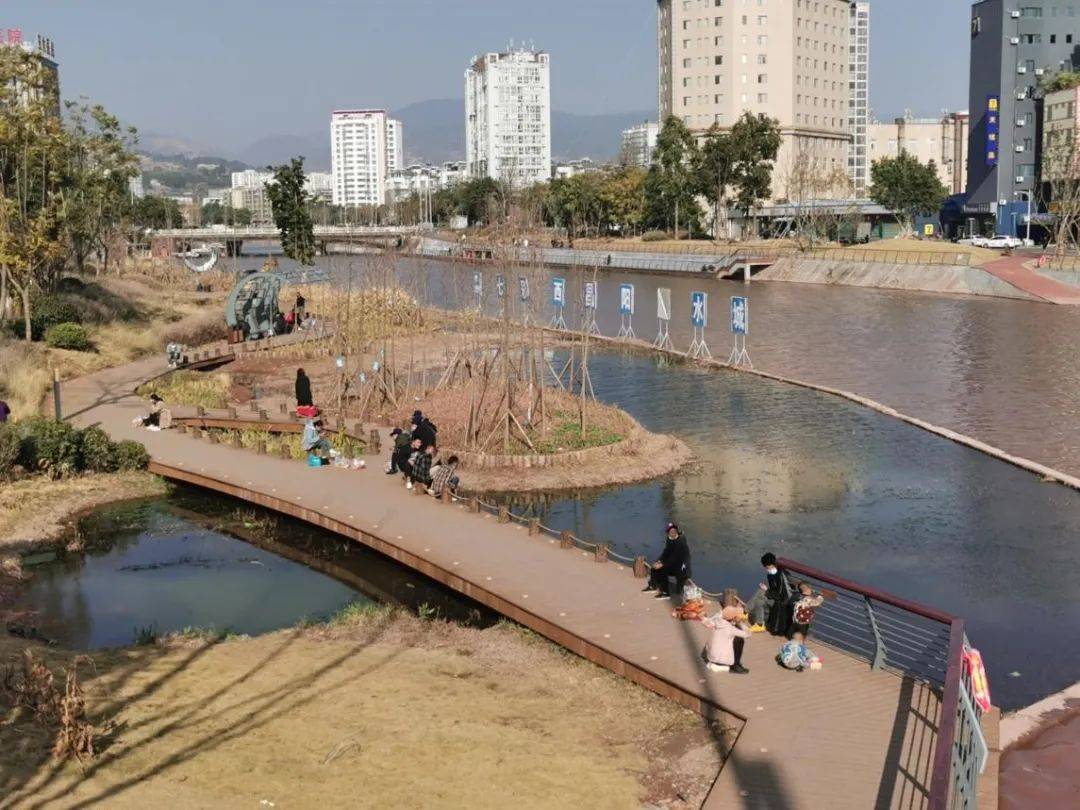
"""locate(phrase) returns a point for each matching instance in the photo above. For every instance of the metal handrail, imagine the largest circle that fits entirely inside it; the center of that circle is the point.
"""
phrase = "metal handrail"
(961, 751)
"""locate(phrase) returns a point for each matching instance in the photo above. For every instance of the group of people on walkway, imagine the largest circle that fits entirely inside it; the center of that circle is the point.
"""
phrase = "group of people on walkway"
(415, 458)
(780, 606)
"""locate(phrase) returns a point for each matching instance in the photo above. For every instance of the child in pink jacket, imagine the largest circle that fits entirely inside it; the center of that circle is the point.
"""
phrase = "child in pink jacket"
(725, 645)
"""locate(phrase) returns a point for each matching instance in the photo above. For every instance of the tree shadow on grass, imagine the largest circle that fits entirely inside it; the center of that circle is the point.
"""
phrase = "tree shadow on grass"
(259, 710)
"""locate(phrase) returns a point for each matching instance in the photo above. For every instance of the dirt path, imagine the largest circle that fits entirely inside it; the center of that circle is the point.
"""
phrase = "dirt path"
(382, 710)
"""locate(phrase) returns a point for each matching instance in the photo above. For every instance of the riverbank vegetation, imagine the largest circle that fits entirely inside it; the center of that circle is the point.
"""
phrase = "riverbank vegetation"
(377, 703)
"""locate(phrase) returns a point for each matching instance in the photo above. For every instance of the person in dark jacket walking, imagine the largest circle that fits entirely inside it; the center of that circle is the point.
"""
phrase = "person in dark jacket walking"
(674, 562)
(303, 390)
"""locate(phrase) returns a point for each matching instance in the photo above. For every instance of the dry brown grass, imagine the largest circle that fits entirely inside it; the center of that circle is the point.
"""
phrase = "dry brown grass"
(449, 409)
(978, 255)
(382, 707)
(35, 511)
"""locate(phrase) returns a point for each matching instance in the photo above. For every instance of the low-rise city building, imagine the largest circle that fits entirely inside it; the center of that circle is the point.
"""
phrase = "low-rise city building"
(1060, 153)
(250, 178)
(573, 167)
(943, 140)
(320, 185)
(255, 200)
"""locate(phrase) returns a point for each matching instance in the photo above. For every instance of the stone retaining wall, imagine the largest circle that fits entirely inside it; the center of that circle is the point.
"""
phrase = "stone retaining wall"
(914, 277)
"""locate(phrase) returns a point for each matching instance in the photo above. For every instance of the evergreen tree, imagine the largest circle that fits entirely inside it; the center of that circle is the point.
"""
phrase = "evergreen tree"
(907, 187)
(289, 203)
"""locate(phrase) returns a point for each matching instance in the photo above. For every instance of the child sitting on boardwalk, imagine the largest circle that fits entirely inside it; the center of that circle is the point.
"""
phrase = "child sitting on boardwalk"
(802, 611)
(794, 654)
(725, 646)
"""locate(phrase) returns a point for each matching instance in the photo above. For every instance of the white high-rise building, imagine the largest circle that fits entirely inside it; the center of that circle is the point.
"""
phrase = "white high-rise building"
(859, 96)
(638, 144)
(359, 156)
(395, 145)
(508, 117)
(251, 178)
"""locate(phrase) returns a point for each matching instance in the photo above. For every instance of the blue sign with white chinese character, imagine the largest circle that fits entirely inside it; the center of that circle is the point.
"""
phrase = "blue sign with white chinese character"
(626, 299)
(500, 285)
(740, 315)
(590, 295)
(478, 284)
(993, 129)
(523, 285)
(558, 291)
(699, 309)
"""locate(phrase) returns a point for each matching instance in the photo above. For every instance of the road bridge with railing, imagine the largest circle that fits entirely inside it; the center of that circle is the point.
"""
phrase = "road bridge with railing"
(887, 723)
(165, 241)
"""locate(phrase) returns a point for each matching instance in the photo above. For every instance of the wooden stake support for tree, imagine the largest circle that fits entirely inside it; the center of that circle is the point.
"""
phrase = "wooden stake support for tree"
(641, 568)
(474, 505)
(534, 526)
(566, 540)
(601, 553)
(504, 514)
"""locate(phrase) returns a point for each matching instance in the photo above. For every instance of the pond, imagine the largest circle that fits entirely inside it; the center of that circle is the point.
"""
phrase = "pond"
(853, 492)
(196, 561)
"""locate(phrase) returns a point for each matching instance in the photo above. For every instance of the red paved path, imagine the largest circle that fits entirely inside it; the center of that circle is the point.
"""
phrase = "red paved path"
(1013, 270)
(845, 737)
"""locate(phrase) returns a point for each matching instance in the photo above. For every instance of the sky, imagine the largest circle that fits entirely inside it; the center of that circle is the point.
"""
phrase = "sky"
(225, 73)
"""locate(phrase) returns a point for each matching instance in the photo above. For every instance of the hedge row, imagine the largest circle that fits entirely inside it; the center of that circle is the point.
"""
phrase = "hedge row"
(58, 449)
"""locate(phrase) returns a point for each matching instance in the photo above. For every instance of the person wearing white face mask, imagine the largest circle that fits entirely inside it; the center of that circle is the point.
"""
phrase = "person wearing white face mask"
(770, 607)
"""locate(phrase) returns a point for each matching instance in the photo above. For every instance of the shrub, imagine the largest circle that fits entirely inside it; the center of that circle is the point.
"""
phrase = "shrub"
(654, 236)
(131, 456)
(68, 336)
(98, 451)
(50, 446)
(45, 311)
(10, 444)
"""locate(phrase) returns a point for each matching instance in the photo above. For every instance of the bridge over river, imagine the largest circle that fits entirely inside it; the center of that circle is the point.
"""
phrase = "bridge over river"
(885, 724)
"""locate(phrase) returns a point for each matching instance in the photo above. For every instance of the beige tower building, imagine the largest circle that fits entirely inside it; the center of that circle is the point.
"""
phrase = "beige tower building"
(787, 59)
(943, 140)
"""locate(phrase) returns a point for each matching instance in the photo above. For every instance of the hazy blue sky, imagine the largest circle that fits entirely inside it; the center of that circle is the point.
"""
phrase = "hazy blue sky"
(226, 72)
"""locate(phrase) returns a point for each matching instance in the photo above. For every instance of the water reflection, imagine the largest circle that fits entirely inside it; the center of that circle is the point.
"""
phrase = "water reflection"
(854, 492)
(1004, 371)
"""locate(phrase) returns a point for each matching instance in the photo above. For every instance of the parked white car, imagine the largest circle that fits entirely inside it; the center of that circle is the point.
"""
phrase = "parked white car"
(1001, 242)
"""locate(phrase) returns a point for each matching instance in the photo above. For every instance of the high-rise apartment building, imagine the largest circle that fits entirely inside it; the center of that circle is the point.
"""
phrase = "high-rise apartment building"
(1014, 45)
(785, 59)
(395, 145)
(638, 144)
(508, 117)
(251, 178)
(42, 51)
(943, 140)
(859, 96)
(359, 156)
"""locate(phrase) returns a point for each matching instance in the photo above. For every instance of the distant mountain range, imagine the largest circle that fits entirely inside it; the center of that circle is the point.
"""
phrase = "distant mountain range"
(435, 132)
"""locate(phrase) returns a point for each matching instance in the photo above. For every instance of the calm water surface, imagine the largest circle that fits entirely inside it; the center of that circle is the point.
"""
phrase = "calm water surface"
(156, 569)
(838, 486)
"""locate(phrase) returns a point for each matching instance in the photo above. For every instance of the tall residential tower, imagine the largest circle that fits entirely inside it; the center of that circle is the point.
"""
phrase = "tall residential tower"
(508, 117)
(786, 59)
(1014, 45)
(365, 146)
(859, 96)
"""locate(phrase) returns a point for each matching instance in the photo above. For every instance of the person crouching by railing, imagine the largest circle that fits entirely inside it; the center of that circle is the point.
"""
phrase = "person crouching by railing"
(725, 646)
(421, 468)
(406, 466)
(312, 441)
(674, 562)
(770, 607)
(444, 476)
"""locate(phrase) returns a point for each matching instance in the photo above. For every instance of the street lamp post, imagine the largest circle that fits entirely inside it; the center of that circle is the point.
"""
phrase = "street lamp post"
(1028, 195)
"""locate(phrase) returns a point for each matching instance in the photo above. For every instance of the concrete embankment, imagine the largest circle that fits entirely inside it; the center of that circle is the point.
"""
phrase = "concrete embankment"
(913, 277)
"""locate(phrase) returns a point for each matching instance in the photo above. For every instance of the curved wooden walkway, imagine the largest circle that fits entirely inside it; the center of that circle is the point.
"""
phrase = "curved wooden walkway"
(844, 737)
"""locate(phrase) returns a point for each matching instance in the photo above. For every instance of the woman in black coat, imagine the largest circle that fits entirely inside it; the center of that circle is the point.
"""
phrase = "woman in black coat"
(303, 390)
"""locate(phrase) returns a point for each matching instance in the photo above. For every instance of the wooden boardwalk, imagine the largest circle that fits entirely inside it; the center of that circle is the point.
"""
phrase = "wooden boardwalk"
(844, 737)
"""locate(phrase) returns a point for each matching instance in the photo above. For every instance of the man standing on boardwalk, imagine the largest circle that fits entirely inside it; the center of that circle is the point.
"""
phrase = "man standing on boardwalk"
(674, 562)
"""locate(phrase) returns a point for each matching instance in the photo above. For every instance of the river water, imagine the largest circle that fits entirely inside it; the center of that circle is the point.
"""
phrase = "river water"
(837, 486)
